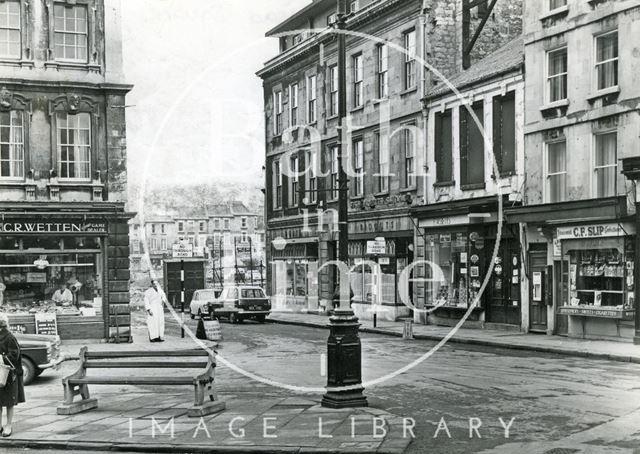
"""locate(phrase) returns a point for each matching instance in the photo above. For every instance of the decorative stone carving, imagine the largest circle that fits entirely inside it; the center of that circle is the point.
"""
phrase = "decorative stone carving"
(73, 102)
(6, 98)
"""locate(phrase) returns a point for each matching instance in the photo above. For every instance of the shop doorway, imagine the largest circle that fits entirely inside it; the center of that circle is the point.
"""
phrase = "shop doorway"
(537, 292)
(561, 292)
(503, 302)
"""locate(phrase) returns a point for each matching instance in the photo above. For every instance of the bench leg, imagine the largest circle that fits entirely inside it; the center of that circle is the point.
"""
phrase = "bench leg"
(200, 407)
(69, 407)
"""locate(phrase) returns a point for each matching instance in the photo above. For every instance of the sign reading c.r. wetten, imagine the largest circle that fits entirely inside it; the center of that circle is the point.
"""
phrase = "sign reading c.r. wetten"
(52, 227)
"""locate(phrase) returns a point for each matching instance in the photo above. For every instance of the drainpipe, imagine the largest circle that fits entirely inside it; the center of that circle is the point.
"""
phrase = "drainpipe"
(423, 92)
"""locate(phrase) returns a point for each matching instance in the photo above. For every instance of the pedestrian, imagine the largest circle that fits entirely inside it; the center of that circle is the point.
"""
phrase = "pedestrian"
(63, 295)
(13, 391)
(154, 298)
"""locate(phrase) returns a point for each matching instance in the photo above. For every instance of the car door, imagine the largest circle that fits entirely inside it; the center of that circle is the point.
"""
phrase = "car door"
(231, 299)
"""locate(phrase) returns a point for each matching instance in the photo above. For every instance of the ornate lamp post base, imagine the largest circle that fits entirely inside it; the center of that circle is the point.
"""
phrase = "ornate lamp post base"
(344, 380)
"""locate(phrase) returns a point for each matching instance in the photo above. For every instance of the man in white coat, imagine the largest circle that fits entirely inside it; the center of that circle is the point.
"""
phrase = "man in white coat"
(153, 304)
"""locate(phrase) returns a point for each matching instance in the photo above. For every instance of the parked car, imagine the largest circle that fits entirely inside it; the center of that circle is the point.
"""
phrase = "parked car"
(243, 302)
(39, 352)
(203, 303)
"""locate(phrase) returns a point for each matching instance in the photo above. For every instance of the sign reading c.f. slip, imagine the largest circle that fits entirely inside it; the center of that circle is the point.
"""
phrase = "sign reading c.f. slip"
(28, 227)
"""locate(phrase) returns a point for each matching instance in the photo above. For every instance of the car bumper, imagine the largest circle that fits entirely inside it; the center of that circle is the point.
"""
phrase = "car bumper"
(242, 312)
(54, 363)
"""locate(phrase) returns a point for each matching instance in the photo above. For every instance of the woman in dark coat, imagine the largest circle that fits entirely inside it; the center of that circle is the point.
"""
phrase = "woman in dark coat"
(13, 392)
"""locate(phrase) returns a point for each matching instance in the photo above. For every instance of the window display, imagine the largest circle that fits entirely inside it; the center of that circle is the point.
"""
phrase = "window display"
(35, 277)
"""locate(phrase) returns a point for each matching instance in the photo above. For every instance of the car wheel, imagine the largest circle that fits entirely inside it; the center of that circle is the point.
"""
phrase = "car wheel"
(28, 371)
(39, 371)
(260, 318)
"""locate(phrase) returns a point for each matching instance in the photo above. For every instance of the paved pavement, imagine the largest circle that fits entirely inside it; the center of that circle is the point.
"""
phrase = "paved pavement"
(560, 403)
(609, 350)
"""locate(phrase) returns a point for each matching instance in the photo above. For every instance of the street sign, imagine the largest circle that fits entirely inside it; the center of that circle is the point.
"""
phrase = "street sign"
(377, 247)
(182, 251)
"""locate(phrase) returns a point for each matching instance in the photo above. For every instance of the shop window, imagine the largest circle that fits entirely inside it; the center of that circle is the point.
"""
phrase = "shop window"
(444, 147)
(606, 165)
(11, 143)
(504, 133)
(71, 32)
(10, 30)
(74, 145)
(471, 145)
(557, 75)
(607, 60)
(51, 281)
(293, 104)
(556, 185)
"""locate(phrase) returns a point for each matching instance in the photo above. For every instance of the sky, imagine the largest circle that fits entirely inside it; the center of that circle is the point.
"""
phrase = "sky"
(196, 112)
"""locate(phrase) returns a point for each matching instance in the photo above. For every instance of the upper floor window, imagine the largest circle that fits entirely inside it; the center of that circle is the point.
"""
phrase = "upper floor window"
(557, 74)
(504, 133)
(244, 222)
(409, 147)
(409, 59)
(71, 32)
(11, 144)
(277, 113)
(312, 185)
(358, 167)
(333, 90)
(163, 244)
(227, 224)
(180, 226)
(555, 4)
(74, 145)
(556, 170)
(312, 96)
(382, 156)
(471, 146)
(335, 171)
(294, 181)
(358, 81)
(353, 6)
(607, 60)
(10, 39)
(202, 226)
(216, 224)
(277, 182)
(443, 147)
(606, 164)
(163, 228)
(293, 104)
(382, 69)
(153, 228)
(331, 19)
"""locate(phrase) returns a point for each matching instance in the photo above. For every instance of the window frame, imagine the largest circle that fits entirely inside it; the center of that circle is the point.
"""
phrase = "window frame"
(312, 97)
(597, 65)
(383, 174)
(357, 148)
(277, 113)
(87, 34)
(549, 77)
(312, 178)
(12, 144)
(444, 173)
(409, 161)
(294, 182)
(409, 67)
(90, 162)
(357, 62)
(613, 165)
(382, 71)
(20, 29)
(277, 185)
(557, 8)
(293, 103)
(334, 83)
(548, 175)
(334, 172)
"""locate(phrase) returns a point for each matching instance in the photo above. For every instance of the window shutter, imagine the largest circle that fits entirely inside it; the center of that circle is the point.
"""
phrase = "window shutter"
(497, 136)
(464, 145)
(437, 149)
(509, 134)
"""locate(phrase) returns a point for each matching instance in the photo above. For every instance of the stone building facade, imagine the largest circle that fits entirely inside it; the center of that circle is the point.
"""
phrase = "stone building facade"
(63, 179)
(385, 137)
(583, 100)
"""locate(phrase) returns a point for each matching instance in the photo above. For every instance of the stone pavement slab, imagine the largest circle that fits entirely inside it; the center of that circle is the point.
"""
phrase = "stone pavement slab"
(295, 424)
(598, 349)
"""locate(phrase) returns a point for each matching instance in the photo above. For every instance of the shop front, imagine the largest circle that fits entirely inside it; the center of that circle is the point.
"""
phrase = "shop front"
(597, 285)
(57, 275)
(294, 276)
(459, 246)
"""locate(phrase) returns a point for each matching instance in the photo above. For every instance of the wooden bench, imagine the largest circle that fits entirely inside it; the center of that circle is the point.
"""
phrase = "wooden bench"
(203, 382)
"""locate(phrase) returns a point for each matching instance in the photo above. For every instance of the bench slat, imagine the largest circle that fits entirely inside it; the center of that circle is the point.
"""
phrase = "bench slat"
(146, 354)
(132, 381)
(145, 364)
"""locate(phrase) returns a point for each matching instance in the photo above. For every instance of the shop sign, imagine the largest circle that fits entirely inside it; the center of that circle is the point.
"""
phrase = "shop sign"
(596, 312)
(590, 231)
(380, 225)
(36, 278)
(46, 323)
(17, 328)
(384, 261)
(182, 251)
(377, 247)
(35, 228)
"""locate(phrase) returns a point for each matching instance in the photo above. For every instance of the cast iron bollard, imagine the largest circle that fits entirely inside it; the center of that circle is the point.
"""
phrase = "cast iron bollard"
(407, 332)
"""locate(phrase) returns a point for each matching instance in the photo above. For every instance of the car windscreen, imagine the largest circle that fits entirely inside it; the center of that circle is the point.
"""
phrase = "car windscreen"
(252, 293)
(206, 296)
